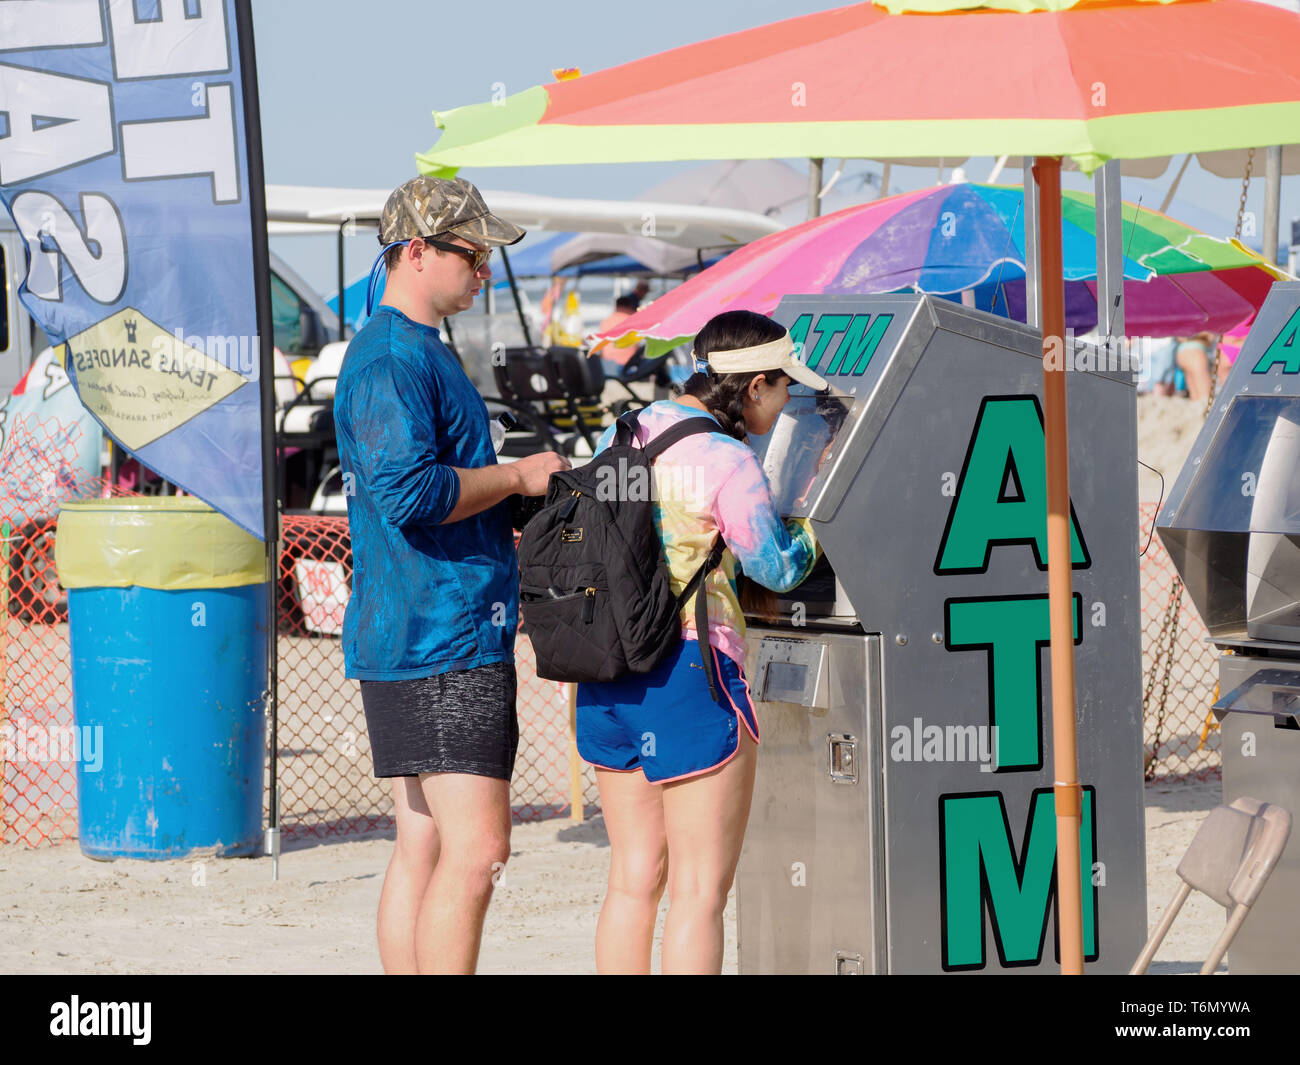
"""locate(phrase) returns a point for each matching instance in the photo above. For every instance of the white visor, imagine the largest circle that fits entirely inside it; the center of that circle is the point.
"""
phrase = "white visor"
(775, 355)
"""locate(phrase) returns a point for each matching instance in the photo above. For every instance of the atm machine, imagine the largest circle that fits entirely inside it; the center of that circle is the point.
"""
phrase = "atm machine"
(903, 819)
(1232, 528)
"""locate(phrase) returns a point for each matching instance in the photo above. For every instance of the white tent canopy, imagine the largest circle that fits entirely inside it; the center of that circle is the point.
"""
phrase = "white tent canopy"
(312, 209)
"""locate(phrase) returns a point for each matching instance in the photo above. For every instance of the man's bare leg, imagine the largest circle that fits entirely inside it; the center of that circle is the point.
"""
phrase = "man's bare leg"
(473, 817)
(409, 871)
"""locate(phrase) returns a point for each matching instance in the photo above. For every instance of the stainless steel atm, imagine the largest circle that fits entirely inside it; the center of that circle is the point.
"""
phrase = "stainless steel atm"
(903, 819)
(1232, 528)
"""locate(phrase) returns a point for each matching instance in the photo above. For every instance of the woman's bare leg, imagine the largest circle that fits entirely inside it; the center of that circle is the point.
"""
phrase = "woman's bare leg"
(1195, 365)
(705, 819)
(638, 870)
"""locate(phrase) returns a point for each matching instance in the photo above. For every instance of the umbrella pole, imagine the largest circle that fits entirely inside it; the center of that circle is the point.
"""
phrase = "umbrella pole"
(814, 188)
(343, 283)
(1069, 897)
(1272, 200)
(519, 303)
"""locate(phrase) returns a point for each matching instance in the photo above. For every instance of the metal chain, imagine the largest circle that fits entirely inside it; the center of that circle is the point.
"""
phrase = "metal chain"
(1214, 379)
(1236, 233)
(1168, 628)
(1245, 184)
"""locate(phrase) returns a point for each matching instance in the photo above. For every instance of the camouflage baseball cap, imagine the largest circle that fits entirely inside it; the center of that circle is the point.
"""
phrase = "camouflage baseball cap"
(427, 206)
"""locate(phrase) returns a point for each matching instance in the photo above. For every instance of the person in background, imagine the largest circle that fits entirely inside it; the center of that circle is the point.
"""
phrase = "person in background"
(1161, 369)
(429, 629)
(1230, 346)
(625, 306)
(1193, 355)
(674, 764)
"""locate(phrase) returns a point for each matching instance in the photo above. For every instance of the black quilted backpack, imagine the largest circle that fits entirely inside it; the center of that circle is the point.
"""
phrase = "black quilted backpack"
(594, 588)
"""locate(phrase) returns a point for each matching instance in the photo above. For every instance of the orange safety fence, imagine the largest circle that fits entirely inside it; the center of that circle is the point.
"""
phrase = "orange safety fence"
(38, 471)
(326, 781)
(1180, 671)
(325, 774)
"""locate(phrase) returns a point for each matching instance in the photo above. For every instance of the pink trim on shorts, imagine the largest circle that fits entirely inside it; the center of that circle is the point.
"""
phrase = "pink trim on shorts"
(741, 671)
(739, 716)
(700, 772)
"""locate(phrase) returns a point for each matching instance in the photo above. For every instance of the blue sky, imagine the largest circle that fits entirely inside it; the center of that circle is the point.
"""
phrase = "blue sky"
(348, 89)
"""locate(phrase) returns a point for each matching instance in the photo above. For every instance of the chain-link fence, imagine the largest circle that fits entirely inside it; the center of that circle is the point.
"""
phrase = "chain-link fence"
(325, 774)
(1179, 671)
(38, 744)
(326, 780)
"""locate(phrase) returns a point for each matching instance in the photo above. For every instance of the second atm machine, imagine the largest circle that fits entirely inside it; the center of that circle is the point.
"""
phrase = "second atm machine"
(1232, 528)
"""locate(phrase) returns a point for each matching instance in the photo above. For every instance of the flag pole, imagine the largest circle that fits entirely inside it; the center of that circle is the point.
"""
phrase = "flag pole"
(266, 387)
(1069, 891)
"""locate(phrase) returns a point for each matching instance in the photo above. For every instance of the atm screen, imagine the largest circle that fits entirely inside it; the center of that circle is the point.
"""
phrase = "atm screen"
(799, 444)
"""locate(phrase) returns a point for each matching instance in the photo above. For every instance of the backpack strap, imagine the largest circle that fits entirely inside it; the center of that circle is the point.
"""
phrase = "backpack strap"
(653, 449)
(680, 431)
(696, 585)
(625, 428)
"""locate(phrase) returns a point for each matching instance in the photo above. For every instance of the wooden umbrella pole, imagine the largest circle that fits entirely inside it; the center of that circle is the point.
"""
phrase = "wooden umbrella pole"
(1069, 897)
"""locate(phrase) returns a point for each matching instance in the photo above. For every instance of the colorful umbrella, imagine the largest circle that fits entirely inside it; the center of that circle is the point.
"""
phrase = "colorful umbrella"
(953, 238)
(1103, 80)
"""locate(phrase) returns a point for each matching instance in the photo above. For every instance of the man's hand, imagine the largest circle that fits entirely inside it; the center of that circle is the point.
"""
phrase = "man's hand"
(487, 485)
(535, 471)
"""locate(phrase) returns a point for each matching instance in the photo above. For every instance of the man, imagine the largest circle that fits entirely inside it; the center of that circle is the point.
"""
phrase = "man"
(430, 627)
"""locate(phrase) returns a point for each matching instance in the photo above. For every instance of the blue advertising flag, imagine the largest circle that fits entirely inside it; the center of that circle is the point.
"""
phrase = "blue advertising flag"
(131, 164)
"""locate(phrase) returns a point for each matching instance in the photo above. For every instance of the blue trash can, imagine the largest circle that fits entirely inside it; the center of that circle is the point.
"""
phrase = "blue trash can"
(167, 614)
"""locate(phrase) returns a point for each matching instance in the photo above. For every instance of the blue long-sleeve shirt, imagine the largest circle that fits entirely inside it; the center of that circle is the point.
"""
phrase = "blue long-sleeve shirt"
(427, 597)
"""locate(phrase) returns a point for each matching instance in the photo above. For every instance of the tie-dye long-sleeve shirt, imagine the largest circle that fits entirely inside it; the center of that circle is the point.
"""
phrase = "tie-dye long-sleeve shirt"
(709, 484)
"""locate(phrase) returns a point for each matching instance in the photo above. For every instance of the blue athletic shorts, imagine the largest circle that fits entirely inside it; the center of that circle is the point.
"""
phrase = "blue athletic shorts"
(664, 722)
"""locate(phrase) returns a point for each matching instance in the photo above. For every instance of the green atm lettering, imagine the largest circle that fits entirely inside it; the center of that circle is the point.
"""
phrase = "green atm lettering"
(1284, 349)
(1001, 495)
(980, 870)
(1012, 630)
(828, 326)
(859, 344)
(799, 331)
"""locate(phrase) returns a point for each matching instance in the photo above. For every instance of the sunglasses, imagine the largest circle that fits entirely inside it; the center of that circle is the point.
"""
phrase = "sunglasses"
(476, 257)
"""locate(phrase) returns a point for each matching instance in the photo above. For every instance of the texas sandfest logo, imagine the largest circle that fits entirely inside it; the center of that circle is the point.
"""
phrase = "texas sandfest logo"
(142, 382)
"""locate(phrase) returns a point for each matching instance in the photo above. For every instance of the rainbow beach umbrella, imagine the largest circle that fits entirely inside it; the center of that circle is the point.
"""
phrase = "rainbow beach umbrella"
(971, 238)
(1095, 81)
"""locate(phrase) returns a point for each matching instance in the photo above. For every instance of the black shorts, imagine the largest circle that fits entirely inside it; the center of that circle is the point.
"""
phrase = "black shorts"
(458, 722)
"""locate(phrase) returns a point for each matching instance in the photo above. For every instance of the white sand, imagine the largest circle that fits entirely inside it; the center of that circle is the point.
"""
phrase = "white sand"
(1167, 428)
(63, 913)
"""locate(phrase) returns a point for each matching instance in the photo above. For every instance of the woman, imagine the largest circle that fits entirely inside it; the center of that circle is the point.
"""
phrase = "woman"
(675, 767)
(1193, 355)
(1230, 346)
